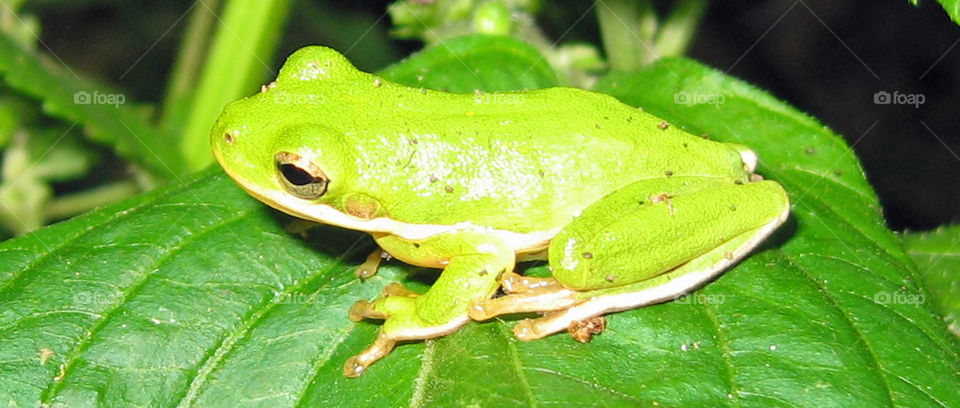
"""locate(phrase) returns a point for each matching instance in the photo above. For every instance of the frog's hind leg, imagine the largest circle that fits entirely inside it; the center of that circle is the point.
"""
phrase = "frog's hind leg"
(613, 258)
(592, 304)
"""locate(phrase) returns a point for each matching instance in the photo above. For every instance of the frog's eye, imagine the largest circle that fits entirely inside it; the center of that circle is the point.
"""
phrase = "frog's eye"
(300, 177)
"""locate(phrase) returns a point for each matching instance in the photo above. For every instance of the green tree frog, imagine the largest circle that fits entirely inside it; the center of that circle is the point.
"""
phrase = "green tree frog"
(627, 210)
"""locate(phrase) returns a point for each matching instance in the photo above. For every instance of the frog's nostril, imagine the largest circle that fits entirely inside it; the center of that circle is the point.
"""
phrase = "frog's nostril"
(229, 137)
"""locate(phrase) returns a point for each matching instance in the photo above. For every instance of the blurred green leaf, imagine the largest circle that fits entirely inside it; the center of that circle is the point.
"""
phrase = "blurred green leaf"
(196, 296)
(14, 112)
(187, 66)
(937, 254)
(485, 62)
(107, 115)
(441, 20)
(238, 60)
(35, 159)
(952, 8)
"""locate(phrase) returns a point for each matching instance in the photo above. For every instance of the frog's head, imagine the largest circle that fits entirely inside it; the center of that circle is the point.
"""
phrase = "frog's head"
(284, 159)
(278, 144)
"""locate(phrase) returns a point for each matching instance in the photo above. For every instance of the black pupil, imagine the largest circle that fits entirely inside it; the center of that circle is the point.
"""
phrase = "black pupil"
(296, 175)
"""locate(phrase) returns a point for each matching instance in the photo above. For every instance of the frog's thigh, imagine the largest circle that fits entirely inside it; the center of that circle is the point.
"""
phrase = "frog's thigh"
(651, 227)
(645, 244)
(473, 263)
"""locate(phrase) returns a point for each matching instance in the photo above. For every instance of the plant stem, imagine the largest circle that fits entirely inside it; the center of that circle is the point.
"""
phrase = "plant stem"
(186, 69)
(241, 53)
(627, 28)
(679, 27)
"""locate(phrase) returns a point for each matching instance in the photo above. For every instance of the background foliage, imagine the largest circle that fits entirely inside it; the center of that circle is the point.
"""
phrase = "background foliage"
(193, 294)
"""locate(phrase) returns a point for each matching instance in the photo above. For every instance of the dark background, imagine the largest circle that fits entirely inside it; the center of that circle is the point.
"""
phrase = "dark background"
(827, 58)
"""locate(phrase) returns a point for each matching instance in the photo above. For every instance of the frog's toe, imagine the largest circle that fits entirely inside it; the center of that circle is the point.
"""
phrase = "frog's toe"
(579, 330)
(536, 300)
(396, 289)
(533, 329)
(356, 365)
(362, 309)
(393, 298)
(512, 282)
(369, 267)
(582, 320)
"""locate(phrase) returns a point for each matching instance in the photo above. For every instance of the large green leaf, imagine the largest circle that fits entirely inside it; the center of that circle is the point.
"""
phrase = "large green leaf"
(821, 296)
(195, 296)
(937, 254)
(106, 114)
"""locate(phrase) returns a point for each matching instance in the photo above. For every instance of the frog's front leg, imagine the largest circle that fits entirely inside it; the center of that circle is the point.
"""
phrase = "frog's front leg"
(650, 242)
(472, 263)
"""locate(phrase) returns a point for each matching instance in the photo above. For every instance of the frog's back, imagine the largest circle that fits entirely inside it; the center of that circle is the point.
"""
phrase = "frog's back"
(523, 161)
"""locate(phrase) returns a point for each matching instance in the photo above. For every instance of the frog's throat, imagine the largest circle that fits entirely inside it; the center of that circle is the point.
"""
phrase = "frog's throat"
(326, 214)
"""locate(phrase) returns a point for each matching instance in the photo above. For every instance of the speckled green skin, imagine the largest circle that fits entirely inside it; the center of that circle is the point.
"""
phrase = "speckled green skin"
(516, 166)
(526, 163)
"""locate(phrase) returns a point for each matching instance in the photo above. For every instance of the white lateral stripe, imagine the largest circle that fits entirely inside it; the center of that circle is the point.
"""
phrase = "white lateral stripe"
(326, 214)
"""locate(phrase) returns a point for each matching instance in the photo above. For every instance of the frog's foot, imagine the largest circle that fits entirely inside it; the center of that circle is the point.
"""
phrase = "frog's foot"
(397, 306)
(544, 296)
(369, 267)
(473, 262)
